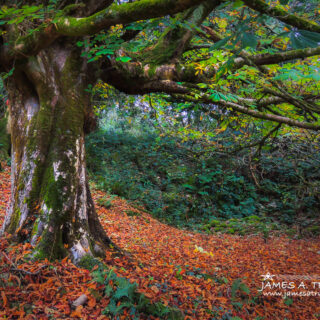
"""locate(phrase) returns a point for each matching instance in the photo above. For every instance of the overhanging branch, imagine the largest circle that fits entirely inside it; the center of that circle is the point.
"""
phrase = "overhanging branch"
(267, 59)
(175, 40)
(121, 14)
(254, 113)
(278, 13)
(30, 44)
(125, 13)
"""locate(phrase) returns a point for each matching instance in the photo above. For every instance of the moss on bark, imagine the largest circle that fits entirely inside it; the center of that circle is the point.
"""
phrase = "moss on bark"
(279, 13)
(51, 201)
(121, 14)
(4, 139)
(14, 222)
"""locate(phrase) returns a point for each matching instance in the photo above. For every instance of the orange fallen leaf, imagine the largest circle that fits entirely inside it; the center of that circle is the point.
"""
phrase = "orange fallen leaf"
(4, 298)
(78, 312)
(92, 302)
(155, 289)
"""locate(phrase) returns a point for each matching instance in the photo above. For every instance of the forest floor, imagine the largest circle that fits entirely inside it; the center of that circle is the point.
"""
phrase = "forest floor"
(194, 272)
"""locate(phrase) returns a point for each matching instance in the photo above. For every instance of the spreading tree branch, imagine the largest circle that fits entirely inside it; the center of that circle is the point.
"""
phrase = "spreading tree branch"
(254, 113)
(282, 15)
(121, 14)
(46, 33)
(175, 40)
(275, 58)
(30, 44)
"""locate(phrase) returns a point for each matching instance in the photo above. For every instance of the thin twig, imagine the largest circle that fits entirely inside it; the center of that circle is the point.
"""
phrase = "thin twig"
(15, 269)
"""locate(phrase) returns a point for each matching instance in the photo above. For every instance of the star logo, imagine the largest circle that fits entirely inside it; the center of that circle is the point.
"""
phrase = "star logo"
(267, 276)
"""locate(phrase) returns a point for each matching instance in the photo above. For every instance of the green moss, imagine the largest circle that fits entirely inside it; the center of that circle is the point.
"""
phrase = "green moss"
(254, 218)
(14, 221)
(132, 213)
(291, 232)
(36, 184)
(42, 252)
(4, 139)
(162, 53)
(104, 202)
(50, 245)
(52, 134)
(214, 223)
(313, 230)
(35, 227)
(52, 192)
(88, 262)
(152, 70)
(281, 14)
(247, 225)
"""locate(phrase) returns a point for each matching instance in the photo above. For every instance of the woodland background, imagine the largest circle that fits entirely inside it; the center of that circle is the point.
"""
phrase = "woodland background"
(198, 199)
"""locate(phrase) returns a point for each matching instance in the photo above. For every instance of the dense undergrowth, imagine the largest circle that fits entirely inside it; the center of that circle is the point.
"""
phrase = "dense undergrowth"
(187, 183)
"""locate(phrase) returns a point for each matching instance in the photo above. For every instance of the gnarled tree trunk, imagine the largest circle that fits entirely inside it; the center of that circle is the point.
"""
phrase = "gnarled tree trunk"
(51, 204)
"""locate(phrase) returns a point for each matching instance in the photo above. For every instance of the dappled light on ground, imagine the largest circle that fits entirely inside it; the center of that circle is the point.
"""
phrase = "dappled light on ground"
(195, 272)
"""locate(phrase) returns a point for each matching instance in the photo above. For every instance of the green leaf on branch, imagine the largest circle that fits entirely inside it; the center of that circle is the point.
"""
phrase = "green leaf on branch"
(304, 39)
(249, 40)
(123, 59)
(220, 44)
(238, 4)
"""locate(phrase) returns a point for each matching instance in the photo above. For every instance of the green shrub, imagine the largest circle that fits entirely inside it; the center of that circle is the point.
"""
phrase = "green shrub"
(123, 294)
(105, 202)
(179, 182)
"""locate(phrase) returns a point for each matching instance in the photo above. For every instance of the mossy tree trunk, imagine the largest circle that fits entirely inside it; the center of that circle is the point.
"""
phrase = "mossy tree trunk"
(51, 204)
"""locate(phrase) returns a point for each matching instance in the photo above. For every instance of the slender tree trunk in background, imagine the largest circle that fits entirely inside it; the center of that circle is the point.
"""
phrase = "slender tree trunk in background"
(51, 204)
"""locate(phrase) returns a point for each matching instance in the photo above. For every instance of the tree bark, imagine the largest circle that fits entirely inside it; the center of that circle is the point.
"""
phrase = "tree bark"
(51, 205)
